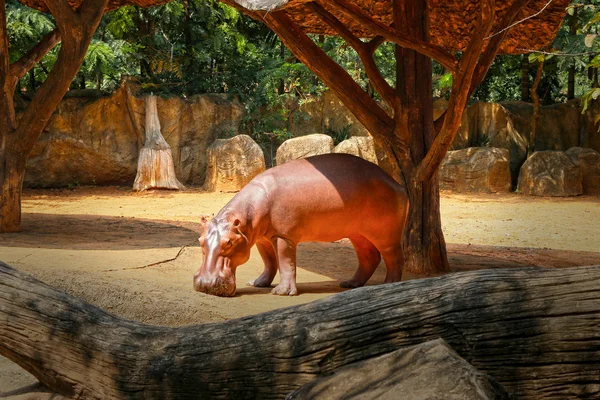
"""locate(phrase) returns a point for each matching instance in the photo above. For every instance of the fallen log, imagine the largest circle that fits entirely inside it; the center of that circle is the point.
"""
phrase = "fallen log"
(430, 370)
(536, 331)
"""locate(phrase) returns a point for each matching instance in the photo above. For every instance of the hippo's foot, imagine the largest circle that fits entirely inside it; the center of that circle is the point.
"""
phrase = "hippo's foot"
(396, 276)
(285, 289)
(351, 284)
(261, 281)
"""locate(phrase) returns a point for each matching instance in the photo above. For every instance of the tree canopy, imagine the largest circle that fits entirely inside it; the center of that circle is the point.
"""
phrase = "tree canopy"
(189, 47)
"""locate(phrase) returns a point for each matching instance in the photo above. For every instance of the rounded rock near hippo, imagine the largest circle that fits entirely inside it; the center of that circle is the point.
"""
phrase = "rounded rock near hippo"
(317, 199)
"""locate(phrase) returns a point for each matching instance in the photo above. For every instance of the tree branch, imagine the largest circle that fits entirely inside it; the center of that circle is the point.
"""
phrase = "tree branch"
(66, 18)
(435, 52)
(7, 112)
(366, 110)
(366, 56)
(89, 10)
(461, 88)
(492, 48)
(533, 329)
(374, 43)
(19, 68)
(76, 37)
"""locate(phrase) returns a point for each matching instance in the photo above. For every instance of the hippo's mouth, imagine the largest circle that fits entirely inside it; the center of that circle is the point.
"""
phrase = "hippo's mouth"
(218, 287)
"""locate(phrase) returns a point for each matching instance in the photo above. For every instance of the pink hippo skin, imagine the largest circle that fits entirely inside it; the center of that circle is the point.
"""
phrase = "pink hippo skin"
(319, 199)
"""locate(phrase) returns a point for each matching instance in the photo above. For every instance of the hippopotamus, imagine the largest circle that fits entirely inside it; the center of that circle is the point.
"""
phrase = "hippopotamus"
(317, 199)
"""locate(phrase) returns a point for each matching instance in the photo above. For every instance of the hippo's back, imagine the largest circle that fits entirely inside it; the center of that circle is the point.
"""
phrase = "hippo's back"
(331, 195)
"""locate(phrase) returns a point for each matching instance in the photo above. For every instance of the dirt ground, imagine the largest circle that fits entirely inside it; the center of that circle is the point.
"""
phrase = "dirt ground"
(134, 254)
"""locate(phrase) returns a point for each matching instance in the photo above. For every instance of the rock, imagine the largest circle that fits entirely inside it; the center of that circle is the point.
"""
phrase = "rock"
(476, 169)
(97, 141)
(366, 148)
(304, 146)
(360, 146)
(491, 124)
(550, 173)
(326, 113)
(589, 162)
(232, 163)
(431, 370)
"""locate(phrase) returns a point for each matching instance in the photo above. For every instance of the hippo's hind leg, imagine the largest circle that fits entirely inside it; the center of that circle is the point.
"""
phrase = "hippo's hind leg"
(368, 260)
(394, 261)
(267, 253)
(286, 257)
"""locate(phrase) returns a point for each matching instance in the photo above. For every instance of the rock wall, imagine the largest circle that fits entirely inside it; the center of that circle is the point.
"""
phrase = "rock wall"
(507, 125)
(323, 114)
(96, 141)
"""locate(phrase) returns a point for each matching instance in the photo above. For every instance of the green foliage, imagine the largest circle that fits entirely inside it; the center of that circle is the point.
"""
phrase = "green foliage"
(483, 140)
(339, 135)
(186, 47)
(593, 94)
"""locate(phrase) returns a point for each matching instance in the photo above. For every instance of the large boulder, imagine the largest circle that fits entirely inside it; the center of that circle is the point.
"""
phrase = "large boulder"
(360, 146)
(589, 162)
(550, 173)
(304, 146)
(366, 148)
(97, 140)
(476, 169)
(232, 163)
(431, 370)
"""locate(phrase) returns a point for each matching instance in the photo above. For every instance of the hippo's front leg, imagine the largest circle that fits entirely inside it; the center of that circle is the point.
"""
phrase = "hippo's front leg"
(286, 257)
(269, 257)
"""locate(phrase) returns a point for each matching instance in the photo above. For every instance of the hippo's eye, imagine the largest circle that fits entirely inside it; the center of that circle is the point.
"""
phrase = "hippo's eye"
(229, 242)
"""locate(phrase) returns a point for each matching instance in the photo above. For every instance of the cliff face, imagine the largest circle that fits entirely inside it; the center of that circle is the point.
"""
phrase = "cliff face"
(97, 141)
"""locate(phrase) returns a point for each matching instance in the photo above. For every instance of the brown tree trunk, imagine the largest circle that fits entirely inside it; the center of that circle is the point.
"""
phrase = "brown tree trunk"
(17, 140)
(12, 171)
(424, 245)
(534, 330)
(536, 108)
(525, 78)
(410, 137)
(571, 81)
(572, 19)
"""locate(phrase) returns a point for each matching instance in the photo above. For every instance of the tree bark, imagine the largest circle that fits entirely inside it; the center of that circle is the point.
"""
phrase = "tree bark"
(12, 172)
(409, 136)
(525, 78)
(533, 330)
(536, 108)
(424, 245)
(155, 162)
(76, 28)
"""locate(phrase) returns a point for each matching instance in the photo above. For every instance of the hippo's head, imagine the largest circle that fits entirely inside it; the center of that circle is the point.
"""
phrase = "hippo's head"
(224, 248)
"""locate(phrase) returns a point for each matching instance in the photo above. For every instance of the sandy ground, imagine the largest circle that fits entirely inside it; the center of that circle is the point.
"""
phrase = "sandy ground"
(134, 254)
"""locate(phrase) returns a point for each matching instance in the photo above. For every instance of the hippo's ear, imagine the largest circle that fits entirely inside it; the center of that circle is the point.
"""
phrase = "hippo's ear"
(203, 222)
(238, 228)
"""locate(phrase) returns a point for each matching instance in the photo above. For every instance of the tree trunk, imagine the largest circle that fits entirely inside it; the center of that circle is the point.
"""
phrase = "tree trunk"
(12, 171)
(572, 20)
(155, 162)
(536, 108)
(424, 245)
(534, 330)
(17, 140)
(281, 89)
(525, 78)
(571, 81)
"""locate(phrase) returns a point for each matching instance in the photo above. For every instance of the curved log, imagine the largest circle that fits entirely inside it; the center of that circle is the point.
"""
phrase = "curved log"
(536, 331)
